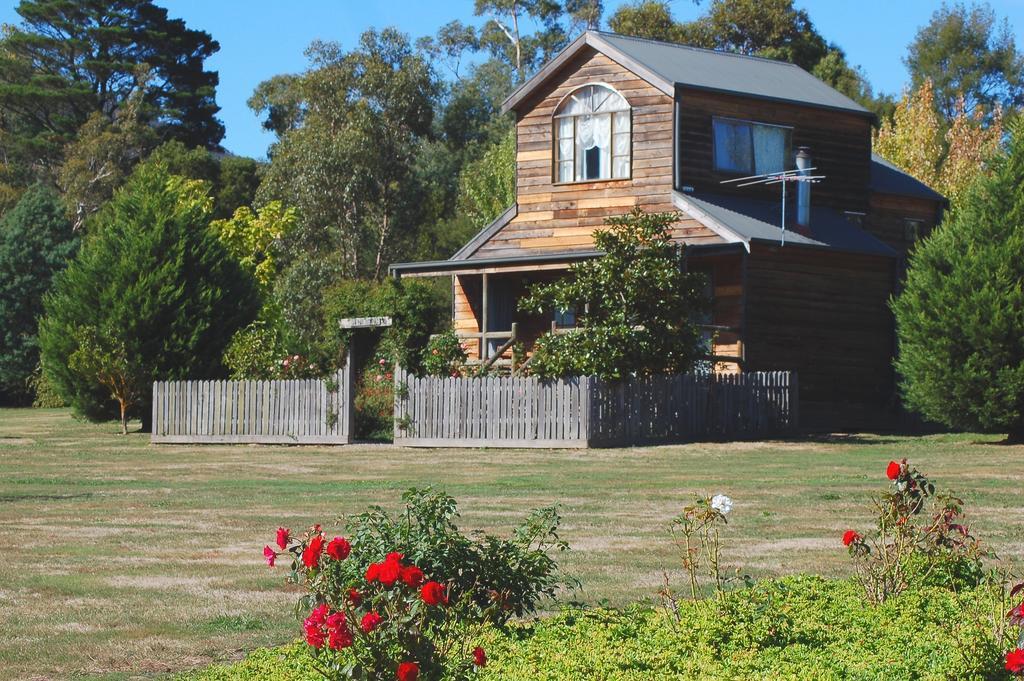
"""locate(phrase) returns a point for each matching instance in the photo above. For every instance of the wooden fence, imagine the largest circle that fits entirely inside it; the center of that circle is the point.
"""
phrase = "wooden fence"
(586, 412)
(270, 412)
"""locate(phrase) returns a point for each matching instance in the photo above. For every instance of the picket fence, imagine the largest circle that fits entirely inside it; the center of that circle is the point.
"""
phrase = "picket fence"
(590, 412)
(266, 412)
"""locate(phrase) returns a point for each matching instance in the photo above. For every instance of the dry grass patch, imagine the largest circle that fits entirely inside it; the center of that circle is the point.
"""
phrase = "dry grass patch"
(126, 560)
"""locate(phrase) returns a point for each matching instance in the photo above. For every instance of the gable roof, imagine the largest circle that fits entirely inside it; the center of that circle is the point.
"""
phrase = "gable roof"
(888, 179)
(665, 65)
(751, 220)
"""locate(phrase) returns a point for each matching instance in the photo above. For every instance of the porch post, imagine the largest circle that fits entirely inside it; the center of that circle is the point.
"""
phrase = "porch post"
(483, 318)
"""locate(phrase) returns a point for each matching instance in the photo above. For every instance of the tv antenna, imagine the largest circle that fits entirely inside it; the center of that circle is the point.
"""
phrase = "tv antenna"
(783, 177)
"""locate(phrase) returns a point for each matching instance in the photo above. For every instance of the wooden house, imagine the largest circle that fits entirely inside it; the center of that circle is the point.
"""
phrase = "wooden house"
(615, 122)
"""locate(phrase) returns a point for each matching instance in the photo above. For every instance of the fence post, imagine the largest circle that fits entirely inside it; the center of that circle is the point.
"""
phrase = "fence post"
(794, 401)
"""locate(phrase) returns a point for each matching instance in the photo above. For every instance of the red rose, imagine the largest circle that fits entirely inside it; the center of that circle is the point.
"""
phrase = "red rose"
(354, 597)
(269, 555)
(339, 548)
(339, 639)
(371, 621)
(311, 554)
(893, 470)
(412, 576)
(394, 556)
(283, 535)
(849, 537)
(479, 657)
(338, 634)
(373, 572)
(314, 626)
(1015, 661)
(432, 593)
(388, 572)
(408, 671)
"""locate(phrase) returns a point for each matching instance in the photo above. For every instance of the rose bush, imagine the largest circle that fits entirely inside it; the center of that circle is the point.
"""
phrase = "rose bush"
(408, 597)
(1015, 618)
(919, 538)
(444, 355)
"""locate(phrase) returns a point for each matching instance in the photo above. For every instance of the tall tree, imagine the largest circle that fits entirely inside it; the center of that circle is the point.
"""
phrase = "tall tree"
(101, 156)
(68, 60)
(965, 51)
(154, 288)
(946, 158)
(505, 35)
(650, 19)
(349, 131)
(960, 318)
(769, 28)
(36, 241)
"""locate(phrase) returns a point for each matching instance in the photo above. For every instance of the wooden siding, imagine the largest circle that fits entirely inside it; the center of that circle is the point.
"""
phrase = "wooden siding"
(887, 215)
(824, 315)
(726, 277)
(562, 217)
(840, 145)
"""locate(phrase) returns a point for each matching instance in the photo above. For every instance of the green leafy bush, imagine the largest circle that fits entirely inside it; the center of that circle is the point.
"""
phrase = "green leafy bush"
(36, 242)
(409, 595)
(795, 628)
(960, 317)
(444, 355)
(638, 305)
(375, 401)
(152, 278)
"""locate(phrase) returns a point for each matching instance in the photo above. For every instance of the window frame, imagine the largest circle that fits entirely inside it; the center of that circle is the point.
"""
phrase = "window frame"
(788, 162)
(556, 117)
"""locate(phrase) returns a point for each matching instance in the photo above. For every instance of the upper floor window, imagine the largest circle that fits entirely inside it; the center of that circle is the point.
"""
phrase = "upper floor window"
(592, 136)
(749, 148)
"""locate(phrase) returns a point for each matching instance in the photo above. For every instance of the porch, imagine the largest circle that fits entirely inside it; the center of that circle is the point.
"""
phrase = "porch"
(487, 319)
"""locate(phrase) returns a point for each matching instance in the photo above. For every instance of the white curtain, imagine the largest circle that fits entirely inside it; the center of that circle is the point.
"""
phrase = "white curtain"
(769, 149)
(593, 132)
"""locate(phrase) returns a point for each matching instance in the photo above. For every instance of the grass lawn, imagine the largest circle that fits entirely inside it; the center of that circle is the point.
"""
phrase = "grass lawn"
(122, 559)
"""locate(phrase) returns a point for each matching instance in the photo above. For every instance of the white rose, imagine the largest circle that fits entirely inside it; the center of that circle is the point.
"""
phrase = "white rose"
(721, 503)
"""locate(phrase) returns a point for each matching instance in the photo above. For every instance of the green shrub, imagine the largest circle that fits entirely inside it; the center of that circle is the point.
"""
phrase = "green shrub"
(36, 242)
(960, 317)
(152, 279)
(795, 628)
(444, 355)
(375, 402)
(637, 305)
(411, 593)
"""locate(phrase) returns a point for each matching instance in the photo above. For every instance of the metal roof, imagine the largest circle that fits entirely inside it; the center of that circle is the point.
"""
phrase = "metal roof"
(666, 65)
(751, 220)
(888, 179)
(446, 266)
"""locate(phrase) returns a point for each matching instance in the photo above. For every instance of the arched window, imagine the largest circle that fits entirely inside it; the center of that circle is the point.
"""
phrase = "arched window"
(592, 127)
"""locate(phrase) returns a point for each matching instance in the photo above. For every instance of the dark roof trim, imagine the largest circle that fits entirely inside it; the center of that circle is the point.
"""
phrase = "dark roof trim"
(486, 233)
(728, 234)
(871, 116)
(594, 40)
(442, 266)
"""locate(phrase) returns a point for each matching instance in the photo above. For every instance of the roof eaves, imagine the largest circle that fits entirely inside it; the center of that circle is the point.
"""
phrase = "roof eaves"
(718, 227)
(486, 233)
(587, 39)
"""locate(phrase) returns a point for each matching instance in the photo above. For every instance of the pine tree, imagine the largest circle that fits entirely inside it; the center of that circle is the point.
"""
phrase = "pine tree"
(960, 318)
(154, 283)
(36, 241)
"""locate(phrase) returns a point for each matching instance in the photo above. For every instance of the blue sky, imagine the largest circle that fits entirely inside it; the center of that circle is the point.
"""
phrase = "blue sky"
(262, 38)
